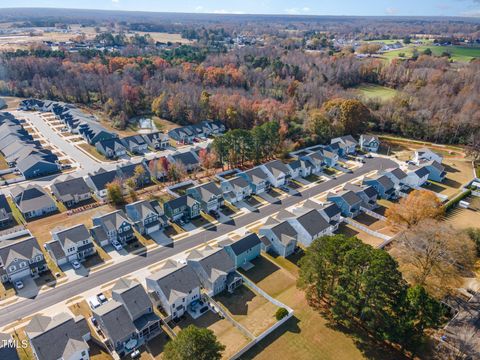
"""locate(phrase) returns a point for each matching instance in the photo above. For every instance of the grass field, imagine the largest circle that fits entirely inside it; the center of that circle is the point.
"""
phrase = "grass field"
(372, 91)
(459, 53)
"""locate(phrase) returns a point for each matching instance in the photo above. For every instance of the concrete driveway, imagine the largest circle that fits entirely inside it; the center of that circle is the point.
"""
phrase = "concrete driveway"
(244, 205)
(160, 238)
(188, 226)
(29, 290)
(269, 198)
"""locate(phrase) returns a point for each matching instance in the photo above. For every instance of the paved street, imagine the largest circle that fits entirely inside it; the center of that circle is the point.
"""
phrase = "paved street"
(49, 298)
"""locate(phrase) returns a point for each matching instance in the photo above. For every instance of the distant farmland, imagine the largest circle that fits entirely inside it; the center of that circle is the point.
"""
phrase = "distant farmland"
(458, 53)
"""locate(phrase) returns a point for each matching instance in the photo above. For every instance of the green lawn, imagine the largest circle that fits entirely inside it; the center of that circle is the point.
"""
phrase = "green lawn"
(459, 53)
(373, 91)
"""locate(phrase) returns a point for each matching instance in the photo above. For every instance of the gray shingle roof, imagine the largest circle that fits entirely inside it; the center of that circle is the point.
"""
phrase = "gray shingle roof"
(276, 167)
(133, 296)
(313, 222)
(112, 220)
(31, 198)
(74, 235)
(19, 249)
(256, 175)
(238, 182)
(70, 187)
(215, 262)
(185, 158)
(116, 320)
(245, 243)
(284, 232)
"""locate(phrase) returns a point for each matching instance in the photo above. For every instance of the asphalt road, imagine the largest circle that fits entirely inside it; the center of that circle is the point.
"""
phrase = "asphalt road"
(27, 307)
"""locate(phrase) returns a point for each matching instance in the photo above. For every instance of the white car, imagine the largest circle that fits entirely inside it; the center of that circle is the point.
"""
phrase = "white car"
(135, 354)
(117, 245)
(19, 284)
(76, 265)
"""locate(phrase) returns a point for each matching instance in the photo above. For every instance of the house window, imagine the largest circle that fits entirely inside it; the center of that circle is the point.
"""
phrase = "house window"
(12, 268)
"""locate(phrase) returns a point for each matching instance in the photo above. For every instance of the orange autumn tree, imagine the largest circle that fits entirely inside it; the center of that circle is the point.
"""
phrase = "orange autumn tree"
(417, 206)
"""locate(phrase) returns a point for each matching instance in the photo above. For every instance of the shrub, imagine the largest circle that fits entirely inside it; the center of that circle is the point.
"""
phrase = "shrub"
(281, 313)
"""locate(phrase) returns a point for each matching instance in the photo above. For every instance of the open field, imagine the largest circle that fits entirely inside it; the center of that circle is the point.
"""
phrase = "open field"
(166, 37)
(458, 53)
(225, 331)
(373, 91)
(307, 335)
(249, 309)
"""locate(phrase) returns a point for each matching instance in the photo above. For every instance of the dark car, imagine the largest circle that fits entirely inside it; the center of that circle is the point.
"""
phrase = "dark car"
(213, 214)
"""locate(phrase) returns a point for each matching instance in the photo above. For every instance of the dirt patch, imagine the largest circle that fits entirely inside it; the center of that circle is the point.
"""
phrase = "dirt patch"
(350, 231)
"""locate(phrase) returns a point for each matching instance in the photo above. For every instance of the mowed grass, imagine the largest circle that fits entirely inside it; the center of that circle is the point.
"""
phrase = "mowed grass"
(373, 91)
(307, 335)
(458, 53)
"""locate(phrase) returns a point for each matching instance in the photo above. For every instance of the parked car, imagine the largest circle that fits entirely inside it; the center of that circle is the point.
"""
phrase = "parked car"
(135, 354)
(19, 284)
(117, 245)
(101, 298)
(76, 265)
(93, 302)
(214, 214)
(285, 188)
(94, 322)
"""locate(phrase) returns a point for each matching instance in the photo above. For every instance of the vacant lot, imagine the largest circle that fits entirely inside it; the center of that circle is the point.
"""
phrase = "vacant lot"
(251, 310)
(373, 91)
(458, 53)
(351, 231)
(307, 335)
(225, 331)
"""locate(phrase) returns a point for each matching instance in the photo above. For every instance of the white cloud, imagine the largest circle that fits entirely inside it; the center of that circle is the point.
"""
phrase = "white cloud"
(223, 11)
(297, 11)
(391, 11)
(199, 8)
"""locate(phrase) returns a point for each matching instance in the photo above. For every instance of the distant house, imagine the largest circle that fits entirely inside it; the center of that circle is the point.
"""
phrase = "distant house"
(244, 250)
(183, 134)
(70, 244)
(436, 171)
(383, 185)
(71, 191)
(98, 181)
(313, 162)
(278, 173)
(188, 160)
(369, 143)
(348, 202)
(295, 168)
(424, 155)
(282, 236)
(347, 145)
(257, 178)
(175, 286)
(34, 166)
(93, 133)
(58, 337)
(418, 177)
(111, 148)
(33, 201)
(330, 158)
(367, 193)
(117, 226)
(236, 189)
(8, 349)
(145, 216)
(184, 207)
(127, 320)
(129, 171)
(310, 226)
(209, 195)
(215, 270)
(20, 259)
(6, 217)
(156, 140)
(136, 144)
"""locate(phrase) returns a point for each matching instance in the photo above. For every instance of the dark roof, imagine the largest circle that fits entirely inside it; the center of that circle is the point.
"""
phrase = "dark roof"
(421, 172)
(238, 181)
(398, 173)
(71, 186)
(313, 222)
(245, 243)
(256, 174)
(102, 178)
(116, 320)
(185, 158)
(31, 198)
(385, 182)
(7, 352)
(76, 234)
(18, 249)
(284, 232)
(331, 209)
(184, 200)
(133, 296)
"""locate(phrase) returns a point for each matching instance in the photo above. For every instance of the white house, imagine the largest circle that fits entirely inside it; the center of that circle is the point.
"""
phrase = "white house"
(424, 155)
(277, 172)
(417, 178)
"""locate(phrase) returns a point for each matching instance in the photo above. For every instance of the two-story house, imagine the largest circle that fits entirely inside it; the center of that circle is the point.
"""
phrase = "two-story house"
(116, 226)
(20, 259)
(243, 250)
(98, 181)
(367, 193)
(127, 320)
(136, 144)
(310, 226)
(348, 202)
(209, 195)
(59, 337)
(215, 270)
(383, 185)
(397, 176)
(236, 189)
(315, 162)
(175, 286)
(184, 207)
(6, 217)
(278, 173)
(347, 145)
(70, 244)
(33, 201)
(145, 216)
(369, 143)
(436, 171)
(156, 140)
(257, 178)
(188, 160)
(424, 155)
(332, 213)
(136, 171)
(71, 191)
(111, 148)
(417, 177)
(281, 235)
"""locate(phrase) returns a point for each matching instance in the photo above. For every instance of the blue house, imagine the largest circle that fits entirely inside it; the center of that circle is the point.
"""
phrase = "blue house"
(348, 202)
(384, 186)
(343, 145)
(35, 166)
(369, 143)
(436, 171)
(244, 250)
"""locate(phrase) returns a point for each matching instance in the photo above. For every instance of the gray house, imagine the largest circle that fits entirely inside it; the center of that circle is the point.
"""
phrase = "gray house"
(310, 226)
(116, 226)
(278, 173)
(282, 236)
(215, 270)
(111, 148)
(257, 179)
(20, 259)
(33, 201)
(59, 337)
(188, 160)
(71, 244)
(367, 193)
(156, 140)
(348, 202)
(208, 195)
(243, 250)
(136, 144)
(184, 207)
(128, 320)
(236, 189)
(174, 286)
(71, 191)
(145, 216)
(6, 218)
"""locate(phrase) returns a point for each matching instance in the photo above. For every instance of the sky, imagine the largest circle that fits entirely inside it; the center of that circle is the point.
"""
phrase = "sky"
(293, 7)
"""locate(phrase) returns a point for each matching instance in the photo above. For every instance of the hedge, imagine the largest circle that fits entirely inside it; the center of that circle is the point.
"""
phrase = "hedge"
(457, 199)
